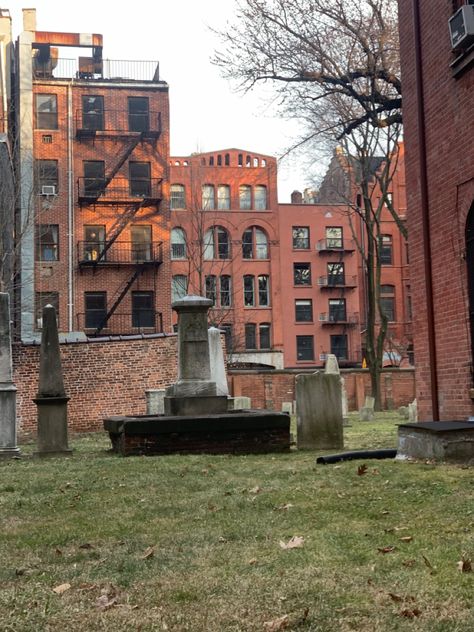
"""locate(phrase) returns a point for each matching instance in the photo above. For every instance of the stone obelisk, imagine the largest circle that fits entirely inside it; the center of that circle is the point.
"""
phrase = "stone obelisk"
(8, 447)
(51, 399)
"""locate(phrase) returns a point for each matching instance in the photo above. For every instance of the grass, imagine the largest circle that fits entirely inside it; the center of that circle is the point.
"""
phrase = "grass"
(192, 542)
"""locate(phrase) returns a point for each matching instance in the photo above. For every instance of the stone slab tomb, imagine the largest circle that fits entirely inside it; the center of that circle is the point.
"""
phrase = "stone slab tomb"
(449, 441)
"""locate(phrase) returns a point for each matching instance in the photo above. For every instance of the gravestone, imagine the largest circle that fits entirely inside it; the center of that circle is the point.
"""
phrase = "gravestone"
(240, 403)
(413, 412)
(51, 399)
(8, 447)
(319, 412)
(332, 368)
(216, 358)
(155, 401)
(366, 413)
(287, 407)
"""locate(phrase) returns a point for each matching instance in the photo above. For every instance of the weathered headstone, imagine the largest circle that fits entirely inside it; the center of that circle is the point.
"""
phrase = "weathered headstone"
(51, 399)
(287, 407)
(155, 401)
(216, 357)
(403, 412)
(366, 413)
(8, 447)
(413, 412)
(240, 403)
(332, 368)
(319, 412)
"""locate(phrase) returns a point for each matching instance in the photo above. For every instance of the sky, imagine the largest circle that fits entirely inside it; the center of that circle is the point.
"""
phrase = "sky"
(207, 113)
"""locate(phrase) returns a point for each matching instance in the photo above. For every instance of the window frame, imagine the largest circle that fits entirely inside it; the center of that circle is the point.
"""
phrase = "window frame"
(96, 116)
(386, 250)
(250, 335)
(308, 267)
(98, 313)
(177, 197)
(41, 300)
(260, 203)
(178, 287)
(48, 115)
(304, 310)
(245, 197)
(333, 241)
(334, 347)
(249, 290)
(300, 349)
(299, 239)
(138, 121)
(178, 246)
(43, 246)
(148, 313)
(337, 310)
(263, 289)
(223, 202)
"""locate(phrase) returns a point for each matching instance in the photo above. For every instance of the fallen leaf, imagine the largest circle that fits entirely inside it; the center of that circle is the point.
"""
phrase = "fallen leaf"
(59, 590)
(277, 624)
(395, 597)
(148, 553)
(255, 490)
(386, 549)
(253, 561)
(86, 546)
(296, 542)
(211, 507)
(406, 538)
(227, 493)
(222, 539)
(362, 469)
(104, 602)
(58, 551)
(204, 471)
(410, 613)
(427, 562)
(385, 513)
(465, 565)
(409, 563)
(284, 507)
(375, 471)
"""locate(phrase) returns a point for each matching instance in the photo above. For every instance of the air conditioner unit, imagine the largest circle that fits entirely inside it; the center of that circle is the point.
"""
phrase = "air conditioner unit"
(461, 27)
(48, 189)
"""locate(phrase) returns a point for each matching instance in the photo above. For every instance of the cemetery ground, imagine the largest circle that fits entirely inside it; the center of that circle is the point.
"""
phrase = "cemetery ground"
(221, 543)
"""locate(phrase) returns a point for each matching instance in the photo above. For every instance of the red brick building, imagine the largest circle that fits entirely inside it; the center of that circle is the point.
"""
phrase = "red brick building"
(437, 49)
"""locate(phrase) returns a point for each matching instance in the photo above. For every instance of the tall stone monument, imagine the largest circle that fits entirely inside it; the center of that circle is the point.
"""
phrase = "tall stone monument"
(216, 357)
(51, 399)
(8, 447)
(195, 392)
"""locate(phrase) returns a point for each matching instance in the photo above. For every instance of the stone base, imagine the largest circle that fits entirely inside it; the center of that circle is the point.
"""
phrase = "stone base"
(9, 453)
(449, 441)
(52, 425)
(191, 406)
(241, 432)
(52, 453)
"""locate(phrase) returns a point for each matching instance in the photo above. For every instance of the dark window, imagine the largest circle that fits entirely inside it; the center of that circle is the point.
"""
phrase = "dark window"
(95, 304)
(178, 243)
(94, 177)
(140, 183)
(227, 329)
(210, 288)
(93, 112)
(43, 299)
(227, 160)
(302, 273)
(335, 274)
(264, 335)
(219, 160)
(143, 312)
(245, 197)
(94, 241)
(46, 111)
(337, 310)
(264, 290)
(339, 346)
(387, 301)
(47, 242)
(300, 237)
(250, 336)
(254, 244)
(46, 177)
(225, 291)
(249, 290)
(305, 347)
(303, 310)
(179, 287)
(334, 237)
(386, 250)
(138, 114)
(140, 243)
(177, 196)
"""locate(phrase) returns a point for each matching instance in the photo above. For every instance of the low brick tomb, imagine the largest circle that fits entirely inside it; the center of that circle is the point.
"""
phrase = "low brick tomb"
(449, 441)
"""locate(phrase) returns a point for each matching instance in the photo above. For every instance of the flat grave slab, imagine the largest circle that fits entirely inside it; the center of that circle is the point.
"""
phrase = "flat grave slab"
(449, 441)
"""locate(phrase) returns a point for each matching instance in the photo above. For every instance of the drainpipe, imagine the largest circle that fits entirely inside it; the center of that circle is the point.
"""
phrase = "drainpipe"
(70, 211)
(425, 216)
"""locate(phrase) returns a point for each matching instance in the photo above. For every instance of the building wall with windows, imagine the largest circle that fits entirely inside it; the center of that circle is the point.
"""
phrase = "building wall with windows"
(438, 91)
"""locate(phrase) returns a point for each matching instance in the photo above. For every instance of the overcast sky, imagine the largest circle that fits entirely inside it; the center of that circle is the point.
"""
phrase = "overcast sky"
(206, 112)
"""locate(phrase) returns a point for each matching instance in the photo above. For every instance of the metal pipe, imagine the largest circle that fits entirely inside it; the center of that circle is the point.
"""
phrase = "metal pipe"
(425, 217)
(358, 454)
(70, 211)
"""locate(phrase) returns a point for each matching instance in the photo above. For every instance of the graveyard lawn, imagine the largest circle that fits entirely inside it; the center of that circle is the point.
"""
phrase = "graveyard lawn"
(276, 542)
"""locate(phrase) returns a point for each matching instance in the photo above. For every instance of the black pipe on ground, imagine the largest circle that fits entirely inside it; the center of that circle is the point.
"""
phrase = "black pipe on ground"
(359, 454)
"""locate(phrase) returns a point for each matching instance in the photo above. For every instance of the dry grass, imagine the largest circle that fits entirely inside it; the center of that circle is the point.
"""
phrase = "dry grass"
(192, 542)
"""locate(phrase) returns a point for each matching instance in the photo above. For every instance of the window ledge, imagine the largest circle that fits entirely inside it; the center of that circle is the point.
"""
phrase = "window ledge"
(463, 62)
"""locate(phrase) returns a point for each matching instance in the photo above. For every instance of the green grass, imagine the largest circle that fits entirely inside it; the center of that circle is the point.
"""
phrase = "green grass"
(215, 523)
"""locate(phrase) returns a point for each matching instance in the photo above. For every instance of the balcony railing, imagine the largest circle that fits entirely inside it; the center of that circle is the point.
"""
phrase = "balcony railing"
(326, 318)
(333, 244)
(116, 122)
(337, 281)
(91, 253)
(344, 358)
(112, 70)
(144, 321)
(92, 190)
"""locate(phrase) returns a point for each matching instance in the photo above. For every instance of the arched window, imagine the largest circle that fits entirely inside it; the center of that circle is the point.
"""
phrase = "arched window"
(178, 243)
(208, 197)
(245, 197)
(254, 244)
(260, 197)
(216, 243)
(177, 196)
(227, 160)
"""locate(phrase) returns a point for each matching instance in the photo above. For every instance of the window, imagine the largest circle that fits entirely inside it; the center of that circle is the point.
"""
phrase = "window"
(41, 300)
(47, 242)
(227, 329)
(245, 197)
(300, 237)
(305, 347)
(250, 336)
(208, 197)
(46, 111)
(339, 346)
(143, 312)
(260, 195)
(216, 243)
(337, 310)
(223, 197)
(264, 335)
(335, 274)
(94, 177)
(254, 244)
(140, 243)
(178, 243)
(93, 112)
(177, 196)
(387, 301)
(249, 290)
(139, 179)
(179, 287)
(227, 160)
(95, 304)
(210, 288)
(303, 310)
(138, 114)
(46, 176)
(94, 242)
(302, 273)
(225, 291)
(334, 237)
(264, 290)
(386, 250)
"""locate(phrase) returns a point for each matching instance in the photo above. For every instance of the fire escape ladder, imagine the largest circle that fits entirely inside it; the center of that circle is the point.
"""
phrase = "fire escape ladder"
(120, 296)
(118, 226)
(109, 177)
